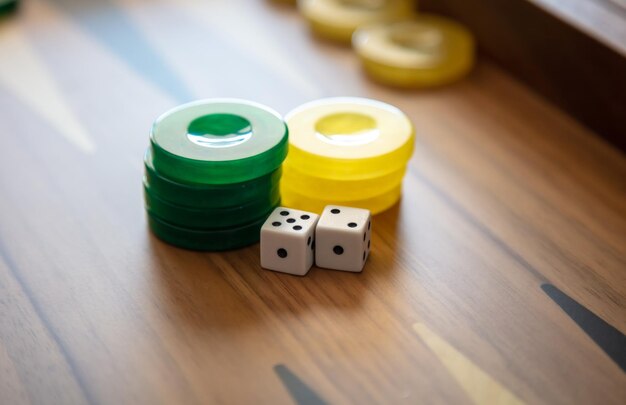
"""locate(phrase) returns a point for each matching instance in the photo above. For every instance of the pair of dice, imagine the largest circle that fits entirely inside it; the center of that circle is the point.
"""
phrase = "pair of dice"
(339, 239)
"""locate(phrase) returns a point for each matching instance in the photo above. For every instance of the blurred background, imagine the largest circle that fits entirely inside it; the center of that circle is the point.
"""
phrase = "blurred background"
(497, 278)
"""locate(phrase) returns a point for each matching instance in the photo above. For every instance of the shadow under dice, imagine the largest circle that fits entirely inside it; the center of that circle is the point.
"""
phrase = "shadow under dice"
(343, 237)
(288, 241)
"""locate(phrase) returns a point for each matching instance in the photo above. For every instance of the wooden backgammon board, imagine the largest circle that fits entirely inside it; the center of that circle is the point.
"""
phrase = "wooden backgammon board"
(499, 276)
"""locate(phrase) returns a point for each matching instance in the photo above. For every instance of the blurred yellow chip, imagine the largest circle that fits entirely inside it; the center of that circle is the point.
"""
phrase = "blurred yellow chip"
(376, 204)
(424, 51)
(337, 19)
(340, 190)
(348, 138)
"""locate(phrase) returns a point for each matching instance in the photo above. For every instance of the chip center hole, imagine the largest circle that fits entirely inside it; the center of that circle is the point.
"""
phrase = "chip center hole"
(370, 5)
(219, 130)
(347, 129)
(417, 38)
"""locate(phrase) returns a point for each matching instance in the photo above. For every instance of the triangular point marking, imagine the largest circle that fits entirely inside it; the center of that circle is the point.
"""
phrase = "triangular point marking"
(27, 77)
(477, 384)
(299, 391)
(605, 335)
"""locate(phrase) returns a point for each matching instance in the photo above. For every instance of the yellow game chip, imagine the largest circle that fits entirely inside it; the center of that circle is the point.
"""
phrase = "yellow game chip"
(340, 190)
(338, 19)
(425, 51)
(376, 204)
(348, 138)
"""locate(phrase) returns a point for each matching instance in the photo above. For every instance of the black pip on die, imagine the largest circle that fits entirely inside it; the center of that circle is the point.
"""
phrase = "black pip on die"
(343, 237)
(288, 241)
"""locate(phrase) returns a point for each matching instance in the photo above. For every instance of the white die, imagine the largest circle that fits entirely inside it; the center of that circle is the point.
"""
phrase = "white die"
(288, 241)
(343, 237)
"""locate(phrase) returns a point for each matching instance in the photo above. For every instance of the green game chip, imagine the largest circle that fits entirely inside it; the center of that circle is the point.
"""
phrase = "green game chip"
(218, 141)
(216, 240)
(215, 218)
(7, 6)
(209, 196)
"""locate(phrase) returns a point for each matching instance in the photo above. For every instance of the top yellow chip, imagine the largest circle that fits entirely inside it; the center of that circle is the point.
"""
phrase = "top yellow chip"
(348, 138)
(424, 51)
(337, 19)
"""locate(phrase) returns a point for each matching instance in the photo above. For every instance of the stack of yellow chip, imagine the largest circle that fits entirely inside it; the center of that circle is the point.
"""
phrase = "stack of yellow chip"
(346, 151)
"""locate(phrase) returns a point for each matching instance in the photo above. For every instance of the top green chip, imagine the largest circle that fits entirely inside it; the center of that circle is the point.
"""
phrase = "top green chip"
(7, 6)
(218, 141)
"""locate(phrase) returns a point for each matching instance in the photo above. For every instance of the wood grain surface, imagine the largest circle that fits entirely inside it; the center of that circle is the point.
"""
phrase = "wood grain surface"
(571, 52)
(500, 277)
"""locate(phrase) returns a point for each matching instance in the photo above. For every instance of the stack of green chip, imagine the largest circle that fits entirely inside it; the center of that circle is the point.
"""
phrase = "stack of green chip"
(7, 6)
(212, 173)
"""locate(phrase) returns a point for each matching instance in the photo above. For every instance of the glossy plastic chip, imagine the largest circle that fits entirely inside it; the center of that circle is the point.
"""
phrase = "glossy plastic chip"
(424, 51)
(218, 141)
(207, 195)
(337, 19)
(215, 240)
(215, 218)
(340, 190)
(376, 204)
(349, 138)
